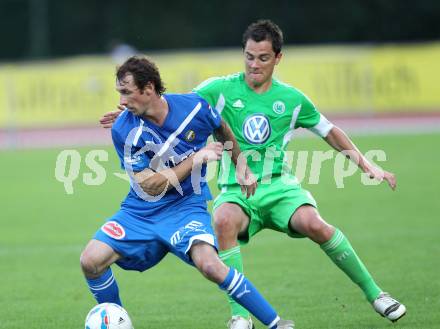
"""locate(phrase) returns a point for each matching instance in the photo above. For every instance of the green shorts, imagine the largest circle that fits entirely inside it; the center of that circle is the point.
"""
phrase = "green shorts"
(271, 207)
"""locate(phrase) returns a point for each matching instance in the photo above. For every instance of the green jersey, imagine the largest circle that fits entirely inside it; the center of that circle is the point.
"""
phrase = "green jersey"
(263, 124)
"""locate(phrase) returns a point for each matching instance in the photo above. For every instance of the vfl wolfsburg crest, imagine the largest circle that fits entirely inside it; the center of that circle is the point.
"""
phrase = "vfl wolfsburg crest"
(256, 129)
(278, 107)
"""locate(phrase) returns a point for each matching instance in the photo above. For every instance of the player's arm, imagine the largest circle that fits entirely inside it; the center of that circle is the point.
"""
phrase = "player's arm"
(245, 176)
(337, 139)
(109, 118)
(310, 118)
(154, 183)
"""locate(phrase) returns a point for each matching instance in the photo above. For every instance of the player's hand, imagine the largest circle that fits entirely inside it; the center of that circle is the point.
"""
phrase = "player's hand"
(109, 118)
(390, 178)
(246, 179)
(211, 152)
(381, 175)
(142, 178)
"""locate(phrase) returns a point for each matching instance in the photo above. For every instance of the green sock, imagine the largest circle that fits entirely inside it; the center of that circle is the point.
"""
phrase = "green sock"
(232, 258)
(340, 251)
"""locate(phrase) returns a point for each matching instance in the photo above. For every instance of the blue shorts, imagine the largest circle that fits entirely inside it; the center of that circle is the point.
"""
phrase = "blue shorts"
(144, 241)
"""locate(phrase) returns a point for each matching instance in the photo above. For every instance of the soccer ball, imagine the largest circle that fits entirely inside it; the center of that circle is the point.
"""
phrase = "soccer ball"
(108, 316)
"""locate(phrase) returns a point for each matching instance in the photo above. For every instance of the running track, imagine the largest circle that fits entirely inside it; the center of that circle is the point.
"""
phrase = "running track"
(96, 136)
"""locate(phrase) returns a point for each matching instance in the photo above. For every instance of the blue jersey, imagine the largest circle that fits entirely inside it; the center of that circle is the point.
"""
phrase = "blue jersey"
(141, 144)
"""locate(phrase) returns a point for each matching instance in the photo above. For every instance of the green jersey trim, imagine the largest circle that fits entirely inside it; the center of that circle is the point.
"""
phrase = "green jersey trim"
(289, 135)
(221, 102)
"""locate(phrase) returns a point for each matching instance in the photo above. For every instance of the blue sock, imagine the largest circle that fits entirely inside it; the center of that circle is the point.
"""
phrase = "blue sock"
(244, 293)
(105, 289)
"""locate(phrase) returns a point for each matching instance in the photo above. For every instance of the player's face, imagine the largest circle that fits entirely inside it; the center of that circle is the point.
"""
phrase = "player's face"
(260, 61)
(134, 99)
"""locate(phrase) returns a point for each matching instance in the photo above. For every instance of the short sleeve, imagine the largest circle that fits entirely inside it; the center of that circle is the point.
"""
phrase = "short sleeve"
(211, 116)
(119, 146)
(310, 118)
(210, 90)
(308, 115)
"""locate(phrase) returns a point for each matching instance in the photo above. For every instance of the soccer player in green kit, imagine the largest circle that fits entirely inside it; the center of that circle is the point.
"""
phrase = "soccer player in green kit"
(263, 112)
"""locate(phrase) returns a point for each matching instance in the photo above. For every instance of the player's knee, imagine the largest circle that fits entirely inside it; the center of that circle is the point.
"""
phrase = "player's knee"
(89, 265)
(224, 224)
(319, 230)
(210, 270)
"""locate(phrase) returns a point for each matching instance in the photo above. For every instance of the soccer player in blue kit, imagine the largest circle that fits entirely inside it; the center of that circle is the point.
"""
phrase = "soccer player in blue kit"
(160, 140)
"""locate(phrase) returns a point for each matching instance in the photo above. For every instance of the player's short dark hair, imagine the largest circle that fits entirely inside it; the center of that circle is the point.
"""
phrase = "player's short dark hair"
(143, 71)
(264, 29)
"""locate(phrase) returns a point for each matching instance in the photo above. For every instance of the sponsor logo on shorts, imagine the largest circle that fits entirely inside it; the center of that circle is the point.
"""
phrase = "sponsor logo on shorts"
(113, 230)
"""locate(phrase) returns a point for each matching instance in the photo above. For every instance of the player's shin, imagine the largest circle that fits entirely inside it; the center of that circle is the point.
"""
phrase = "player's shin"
(243, 292)
(340, 251)
(232, 258)
(105, 288)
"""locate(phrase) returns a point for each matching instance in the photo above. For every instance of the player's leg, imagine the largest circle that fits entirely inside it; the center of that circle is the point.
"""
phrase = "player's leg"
(125, 239)
(307, 221)
(235, 284)
(229, 221)
(95, 263)
(191, 237)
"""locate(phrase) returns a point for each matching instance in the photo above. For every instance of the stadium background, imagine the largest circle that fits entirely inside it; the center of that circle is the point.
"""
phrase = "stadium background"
(371, 67)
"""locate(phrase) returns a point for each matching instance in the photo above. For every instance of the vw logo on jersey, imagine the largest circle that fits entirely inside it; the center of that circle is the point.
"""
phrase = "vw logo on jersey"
(256, 129)
(278, 107)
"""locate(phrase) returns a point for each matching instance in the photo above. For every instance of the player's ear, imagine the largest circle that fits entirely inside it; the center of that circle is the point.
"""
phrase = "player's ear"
(149, 88)
(278, 57)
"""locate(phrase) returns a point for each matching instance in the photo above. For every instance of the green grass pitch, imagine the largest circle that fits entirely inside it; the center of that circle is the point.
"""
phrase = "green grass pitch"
(43, 231)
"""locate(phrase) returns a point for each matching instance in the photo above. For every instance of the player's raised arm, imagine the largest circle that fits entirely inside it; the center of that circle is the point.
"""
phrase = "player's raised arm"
(337, 139)
(245, 176)
(154, 183)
